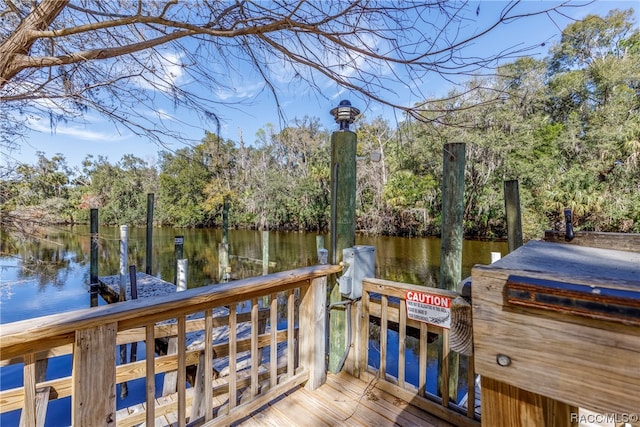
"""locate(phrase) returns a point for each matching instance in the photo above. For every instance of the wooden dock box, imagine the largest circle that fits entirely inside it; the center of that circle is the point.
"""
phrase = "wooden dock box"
(562, 322)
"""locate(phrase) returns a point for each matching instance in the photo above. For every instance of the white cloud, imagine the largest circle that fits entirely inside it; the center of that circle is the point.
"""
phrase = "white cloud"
(78, 132)
(239, 91)
(163, 71)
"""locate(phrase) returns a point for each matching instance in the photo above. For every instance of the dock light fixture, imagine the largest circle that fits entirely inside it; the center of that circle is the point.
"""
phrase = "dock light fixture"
(344, 114)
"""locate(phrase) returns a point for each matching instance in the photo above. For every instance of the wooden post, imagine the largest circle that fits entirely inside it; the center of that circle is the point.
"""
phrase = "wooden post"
(223, 262)
(224, 272)
(343, 229)
(133, 280)
(312, 331)
(265, 252)
(93, 270)
(94, 377)
(171, 378)
(150, 198)
(512, 210)
(124, 236)
(452, 234)
(93, 259)
(178, 252)
(452, 211)
(225, 220)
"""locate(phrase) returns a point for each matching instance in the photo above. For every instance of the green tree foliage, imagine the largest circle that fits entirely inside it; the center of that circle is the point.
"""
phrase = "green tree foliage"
(118, 190)
(567, 128)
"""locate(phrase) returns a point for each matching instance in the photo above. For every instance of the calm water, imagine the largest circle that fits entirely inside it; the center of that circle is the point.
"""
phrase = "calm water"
(52, 276)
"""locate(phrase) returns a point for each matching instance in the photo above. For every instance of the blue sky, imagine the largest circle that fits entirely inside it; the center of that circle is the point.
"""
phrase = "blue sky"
(255, 107)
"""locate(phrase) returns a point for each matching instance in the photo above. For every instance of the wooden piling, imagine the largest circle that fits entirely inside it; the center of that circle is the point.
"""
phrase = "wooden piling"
(225, 220)
(512, 211)
(178, 252)
(452, 211)
(265, 252)
(93, 270)
(133, 280)
(223, 262)
(343, 229)
(452, 233)
(124, 244)
(149, 259)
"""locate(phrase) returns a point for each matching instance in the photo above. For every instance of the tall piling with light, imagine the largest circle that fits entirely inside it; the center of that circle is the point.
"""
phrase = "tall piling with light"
(343, 217)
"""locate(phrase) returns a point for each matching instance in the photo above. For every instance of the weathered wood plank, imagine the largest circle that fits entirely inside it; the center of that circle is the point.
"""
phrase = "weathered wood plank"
(241, 411)
(291, 342)
(562, 356)
(313, 331)
(618, 241)
(384, 322)
(150, 373)
(255, 355)
(94, 395)
(273, 346)
(402, 342)
(182, 372)
(233, 358)
(504, 405)
(28, 416)
(434, 408)
(209, 354)
(377, 401)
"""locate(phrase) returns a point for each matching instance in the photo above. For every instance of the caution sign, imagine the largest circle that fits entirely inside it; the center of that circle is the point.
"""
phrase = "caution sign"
(429, 308)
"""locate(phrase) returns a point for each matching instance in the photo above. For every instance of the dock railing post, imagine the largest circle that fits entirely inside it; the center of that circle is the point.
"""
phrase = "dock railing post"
(313, 331)
(94, 390)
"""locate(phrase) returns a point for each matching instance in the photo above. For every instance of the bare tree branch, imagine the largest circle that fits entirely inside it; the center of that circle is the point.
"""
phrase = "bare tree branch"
(67, 57)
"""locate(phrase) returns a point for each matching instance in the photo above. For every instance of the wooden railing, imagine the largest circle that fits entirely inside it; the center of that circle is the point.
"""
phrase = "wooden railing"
(295, 352)
(383, 314)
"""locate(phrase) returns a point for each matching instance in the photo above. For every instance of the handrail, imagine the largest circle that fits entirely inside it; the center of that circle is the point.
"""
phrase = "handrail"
(385, 301)
(93, 334)
(33, 335)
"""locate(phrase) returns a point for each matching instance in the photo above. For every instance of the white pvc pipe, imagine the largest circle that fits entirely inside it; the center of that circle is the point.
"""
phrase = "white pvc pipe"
(124, 249)
(182, 275)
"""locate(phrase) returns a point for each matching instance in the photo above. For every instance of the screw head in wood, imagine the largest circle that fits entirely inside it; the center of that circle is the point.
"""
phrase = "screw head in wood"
(503, 360)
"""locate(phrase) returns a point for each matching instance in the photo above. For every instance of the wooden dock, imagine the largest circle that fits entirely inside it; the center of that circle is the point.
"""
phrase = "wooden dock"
(342, 401)
(148, 286)
(289, 327)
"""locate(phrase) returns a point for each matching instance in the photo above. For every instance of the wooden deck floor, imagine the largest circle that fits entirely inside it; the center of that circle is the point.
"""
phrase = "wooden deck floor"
(341, 401)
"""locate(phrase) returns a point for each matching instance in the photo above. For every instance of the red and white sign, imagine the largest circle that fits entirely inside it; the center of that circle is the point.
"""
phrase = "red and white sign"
(429, 308)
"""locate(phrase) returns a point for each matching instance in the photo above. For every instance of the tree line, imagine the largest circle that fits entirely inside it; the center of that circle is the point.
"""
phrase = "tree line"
(567, 127)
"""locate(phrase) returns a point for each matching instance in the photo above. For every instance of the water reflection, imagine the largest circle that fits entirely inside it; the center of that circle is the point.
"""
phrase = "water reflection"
(61, 261)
